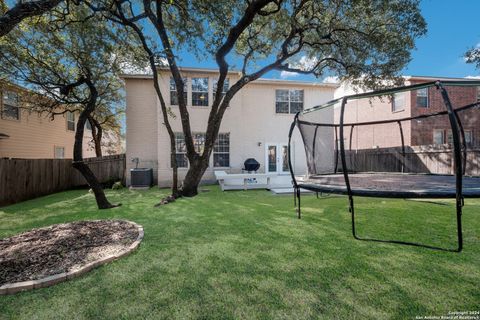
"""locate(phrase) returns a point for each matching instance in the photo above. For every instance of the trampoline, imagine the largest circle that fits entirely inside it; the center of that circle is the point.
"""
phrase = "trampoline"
(416, 141)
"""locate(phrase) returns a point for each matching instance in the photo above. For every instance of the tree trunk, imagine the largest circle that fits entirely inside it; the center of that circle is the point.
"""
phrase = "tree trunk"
(97, 133)
(78, 163)
(194, 176)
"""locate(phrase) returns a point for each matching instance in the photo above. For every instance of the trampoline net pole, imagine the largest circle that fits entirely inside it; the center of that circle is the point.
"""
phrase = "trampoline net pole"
(457, 160)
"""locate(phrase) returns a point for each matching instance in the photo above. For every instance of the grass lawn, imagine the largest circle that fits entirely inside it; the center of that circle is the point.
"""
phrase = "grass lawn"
(245, 255)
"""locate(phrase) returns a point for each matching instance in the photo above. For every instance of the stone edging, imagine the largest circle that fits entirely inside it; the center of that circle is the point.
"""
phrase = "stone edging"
(11, 288)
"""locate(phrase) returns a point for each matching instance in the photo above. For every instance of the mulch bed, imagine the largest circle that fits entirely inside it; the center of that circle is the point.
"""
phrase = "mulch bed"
(60, 248)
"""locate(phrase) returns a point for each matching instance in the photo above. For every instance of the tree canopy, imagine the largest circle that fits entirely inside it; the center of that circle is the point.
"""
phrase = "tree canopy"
(74, 62)
(11, 17)
(473, 56)
(361, 40)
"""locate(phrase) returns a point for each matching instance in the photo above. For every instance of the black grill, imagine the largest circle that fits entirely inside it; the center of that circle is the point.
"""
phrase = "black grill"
(251, 165)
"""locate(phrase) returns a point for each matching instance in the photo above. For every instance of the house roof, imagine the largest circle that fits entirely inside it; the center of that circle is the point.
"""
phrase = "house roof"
(258, 81)
(433, 78)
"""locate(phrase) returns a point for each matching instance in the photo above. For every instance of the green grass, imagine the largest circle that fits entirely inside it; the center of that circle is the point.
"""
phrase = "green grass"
(244, 255)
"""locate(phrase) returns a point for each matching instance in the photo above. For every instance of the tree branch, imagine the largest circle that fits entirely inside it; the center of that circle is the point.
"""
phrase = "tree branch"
(23, 10)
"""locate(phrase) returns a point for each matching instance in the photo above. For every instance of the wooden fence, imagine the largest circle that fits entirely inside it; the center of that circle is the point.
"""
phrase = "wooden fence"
(418, 159)
(23, 179)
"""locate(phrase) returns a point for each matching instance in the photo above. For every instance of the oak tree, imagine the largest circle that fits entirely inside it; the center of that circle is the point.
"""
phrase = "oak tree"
(367, 40)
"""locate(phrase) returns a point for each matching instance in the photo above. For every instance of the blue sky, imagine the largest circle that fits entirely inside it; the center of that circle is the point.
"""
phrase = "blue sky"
(453, 28)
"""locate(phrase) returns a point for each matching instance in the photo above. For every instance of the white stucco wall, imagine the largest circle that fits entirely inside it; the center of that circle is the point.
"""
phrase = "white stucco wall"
(251, 121)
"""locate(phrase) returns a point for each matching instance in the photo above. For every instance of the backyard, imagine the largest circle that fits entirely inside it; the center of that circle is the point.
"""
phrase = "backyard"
(245, 255)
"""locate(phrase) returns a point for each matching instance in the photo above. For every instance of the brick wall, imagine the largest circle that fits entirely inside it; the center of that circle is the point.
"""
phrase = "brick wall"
(422, 130)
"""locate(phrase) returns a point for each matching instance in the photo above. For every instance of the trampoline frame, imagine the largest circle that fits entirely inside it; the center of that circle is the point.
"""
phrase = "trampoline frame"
(459, 149)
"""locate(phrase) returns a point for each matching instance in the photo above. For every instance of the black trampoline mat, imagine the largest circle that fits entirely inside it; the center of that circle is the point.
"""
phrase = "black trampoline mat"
(396, 185)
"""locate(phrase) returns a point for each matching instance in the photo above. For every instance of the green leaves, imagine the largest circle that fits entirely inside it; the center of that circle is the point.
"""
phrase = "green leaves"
(57, 49)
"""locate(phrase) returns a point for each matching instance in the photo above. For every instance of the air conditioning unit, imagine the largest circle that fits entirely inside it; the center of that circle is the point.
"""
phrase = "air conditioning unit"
(141, 177)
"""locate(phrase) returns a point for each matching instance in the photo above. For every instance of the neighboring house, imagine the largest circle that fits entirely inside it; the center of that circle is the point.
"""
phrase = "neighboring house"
(255, 125)
(30, 135)
(428, 131)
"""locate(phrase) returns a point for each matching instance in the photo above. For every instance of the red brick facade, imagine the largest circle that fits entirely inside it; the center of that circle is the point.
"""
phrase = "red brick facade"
(422, 131)
(416, 132)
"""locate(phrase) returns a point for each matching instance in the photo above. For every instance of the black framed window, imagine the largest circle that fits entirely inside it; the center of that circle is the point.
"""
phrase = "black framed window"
(10, 109)
(288, 101)
(221, 150)
(173, 91)
(200, 92)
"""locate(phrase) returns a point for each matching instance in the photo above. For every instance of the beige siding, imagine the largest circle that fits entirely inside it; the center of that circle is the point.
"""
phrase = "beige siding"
(141, 121)
(251, 121)
(35, 136)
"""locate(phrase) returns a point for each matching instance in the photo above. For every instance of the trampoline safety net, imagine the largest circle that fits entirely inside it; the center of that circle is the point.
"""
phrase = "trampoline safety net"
(398, 143)
(421, 140)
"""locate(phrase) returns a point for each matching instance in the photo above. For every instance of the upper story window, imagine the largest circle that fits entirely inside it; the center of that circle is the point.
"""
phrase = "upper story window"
(398, 102)
(422, 98)
(70, 121)
(173, 92)
(88, 125)
(288, 101)
(226, 85)
(199, 91)
(10, 109)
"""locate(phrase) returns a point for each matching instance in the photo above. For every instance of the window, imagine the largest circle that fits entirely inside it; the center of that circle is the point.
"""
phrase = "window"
(181, 148)
(221, 150)
(422, 98)
(173, 91)
(199, 91)
(224, 89)
(88, 125)
(478, 94)
(449, 137)
(288, 101)
(70, 121)
(199, 142)
(398, 102)
(59, 152)
(469, 137)
(10, 106)
(438, 136)
(180, 151)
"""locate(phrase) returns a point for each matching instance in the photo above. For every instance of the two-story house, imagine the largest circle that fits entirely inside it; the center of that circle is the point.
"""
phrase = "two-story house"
(30, 135)
(255, 125)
